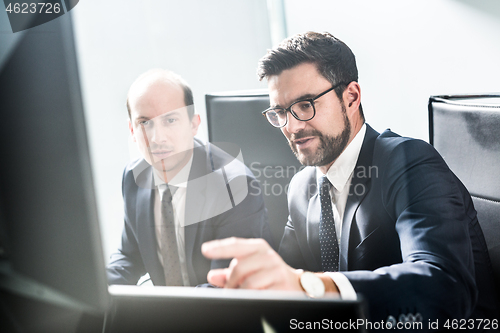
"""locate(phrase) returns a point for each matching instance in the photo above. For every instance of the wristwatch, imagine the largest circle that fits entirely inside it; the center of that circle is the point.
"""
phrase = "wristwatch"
(312, 285)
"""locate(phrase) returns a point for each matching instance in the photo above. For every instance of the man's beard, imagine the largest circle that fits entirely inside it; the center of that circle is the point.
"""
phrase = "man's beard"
(329, 148)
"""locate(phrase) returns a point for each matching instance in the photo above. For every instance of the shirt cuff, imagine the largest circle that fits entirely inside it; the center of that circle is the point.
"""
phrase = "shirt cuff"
(346, 290)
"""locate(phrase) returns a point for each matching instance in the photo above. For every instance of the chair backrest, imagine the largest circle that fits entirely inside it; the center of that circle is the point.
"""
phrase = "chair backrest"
(465, 129)
(236, 117)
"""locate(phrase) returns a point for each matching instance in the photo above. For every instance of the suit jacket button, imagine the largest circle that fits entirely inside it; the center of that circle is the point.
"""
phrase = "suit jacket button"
(391, 322)
(418, 317)
(402, 318)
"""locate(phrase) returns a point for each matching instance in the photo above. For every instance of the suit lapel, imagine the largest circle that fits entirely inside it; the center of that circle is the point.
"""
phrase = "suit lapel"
(360, 186)
(146, 227)
(195, 202)
(313, 218)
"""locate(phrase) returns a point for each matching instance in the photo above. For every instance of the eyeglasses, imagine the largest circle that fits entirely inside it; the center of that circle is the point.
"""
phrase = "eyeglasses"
(302, 110)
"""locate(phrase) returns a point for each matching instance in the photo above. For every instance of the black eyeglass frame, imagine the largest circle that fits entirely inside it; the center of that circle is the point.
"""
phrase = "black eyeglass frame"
(289, 109)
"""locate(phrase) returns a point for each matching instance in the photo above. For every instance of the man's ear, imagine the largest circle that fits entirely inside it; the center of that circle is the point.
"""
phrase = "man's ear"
(131, 129)
(195, 123)
(352, 98)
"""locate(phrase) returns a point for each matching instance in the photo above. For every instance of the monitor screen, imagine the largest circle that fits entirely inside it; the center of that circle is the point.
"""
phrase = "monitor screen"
(50, 248)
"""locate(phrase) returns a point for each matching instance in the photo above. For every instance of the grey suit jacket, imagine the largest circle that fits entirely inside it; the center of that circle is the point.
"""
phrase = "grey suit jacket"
(219, 204)
(410, 243)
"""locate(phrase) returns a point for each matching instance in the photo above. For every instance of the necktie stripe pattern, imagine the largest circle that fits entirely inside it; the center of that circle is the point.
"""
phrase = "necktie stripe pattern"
(169, 249)
(329, 245)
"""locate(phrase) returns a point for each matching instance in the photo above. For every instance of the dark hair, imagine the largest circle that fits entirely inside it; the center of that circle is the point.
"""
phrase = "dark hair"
(333, 58)
(172, 77)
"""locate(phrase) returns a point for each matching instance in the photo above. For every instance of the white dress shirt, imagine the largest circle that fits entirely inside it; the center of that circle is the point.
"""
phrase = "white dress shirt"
(340, 175)
(178, 204)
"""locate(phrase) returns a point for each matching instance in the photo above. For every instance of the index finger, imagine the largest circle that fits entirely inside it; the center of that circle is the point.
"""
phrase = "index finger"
(232, 247)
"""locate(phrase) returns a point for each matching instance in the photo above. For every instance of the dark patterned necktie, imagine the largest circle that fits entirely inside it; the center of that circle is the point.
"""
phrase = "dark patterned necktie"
(327, 236)
(169, 249)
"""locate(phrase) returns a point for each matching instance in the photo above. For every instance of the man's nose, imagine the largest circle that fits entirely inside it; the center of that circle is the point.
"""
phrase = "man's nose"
(294, 125)
(158, 135)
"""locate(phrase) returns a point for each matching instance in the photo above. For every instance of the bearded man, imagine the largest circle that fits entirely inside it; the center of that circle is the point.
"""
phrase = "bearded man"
(373, 214)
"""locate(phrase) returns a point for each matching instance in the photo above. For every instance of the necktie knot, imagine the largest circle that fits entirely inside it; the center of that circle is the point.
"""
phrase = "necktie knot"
(324, 186)
(167, 192)
(172, 189)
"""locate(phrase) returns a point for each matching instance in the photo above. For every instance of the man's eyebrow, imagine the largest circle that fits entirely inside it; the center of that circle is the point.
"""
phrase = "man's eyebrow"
(168, 114)
(300, 98)
(305, 96)
(141, 118)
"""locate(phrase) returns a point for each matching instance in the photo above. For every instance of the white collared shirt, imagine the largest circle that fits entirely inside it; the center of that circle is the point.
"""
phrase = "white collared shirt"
(340, 175)
(180, 181)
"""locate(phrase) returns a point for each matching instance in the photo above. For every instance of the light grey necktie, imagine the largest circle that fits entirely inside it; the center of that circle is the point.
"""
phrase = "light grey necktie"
(169, 249)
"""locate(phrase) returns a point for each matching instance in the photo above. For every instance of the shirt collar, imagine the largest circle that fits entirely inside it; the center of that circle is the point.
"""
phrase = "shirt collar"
(341, 170)
(179, 180)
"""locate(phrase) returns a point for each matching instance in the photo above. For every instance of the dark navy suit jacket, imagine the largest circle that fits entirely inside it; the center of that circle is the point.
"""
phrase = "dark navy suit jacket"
(410, 242)
(220, 203)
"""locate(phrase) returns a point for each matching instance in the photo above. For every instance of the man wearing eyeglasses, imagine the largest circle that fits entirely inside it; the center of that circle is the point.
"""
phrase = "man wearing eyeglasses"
(373, 214)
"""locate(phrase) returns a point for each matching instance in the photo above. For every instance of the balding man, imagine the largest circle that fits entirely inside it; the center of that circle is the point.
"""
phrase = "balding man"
(182, 193)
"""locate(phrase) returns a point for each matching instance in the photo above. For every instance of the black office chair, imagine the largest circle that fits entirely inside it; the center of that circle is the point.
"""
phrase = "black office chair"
(236, 117)
(465, 129)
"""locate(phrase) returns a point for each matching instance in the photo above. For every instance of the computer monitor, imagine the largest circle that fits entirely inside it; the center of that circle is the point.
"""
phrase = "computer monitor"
(50, 248)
